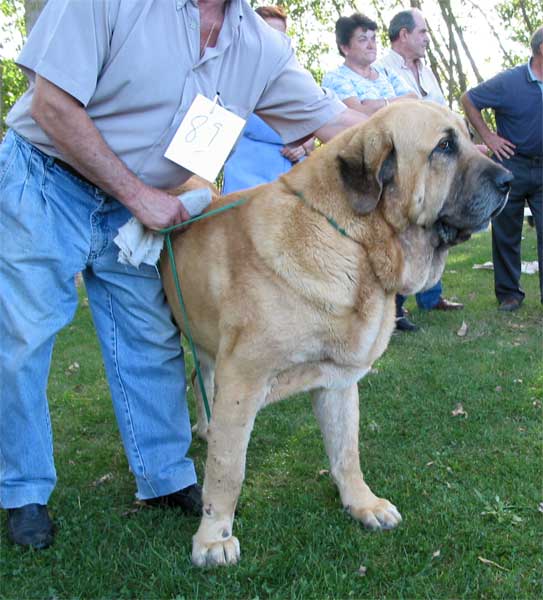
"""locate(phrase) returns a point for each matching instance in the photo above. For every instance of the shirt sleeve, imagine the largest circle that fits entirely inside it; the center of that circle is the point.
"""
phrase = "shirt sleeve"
(488, 94)
(69, 44)
(292, 103)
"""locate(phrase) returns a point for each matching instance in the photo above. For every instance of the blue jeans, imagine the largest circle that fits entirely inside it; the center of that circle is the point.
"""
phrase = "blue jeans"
(53, 225)
(427, 299)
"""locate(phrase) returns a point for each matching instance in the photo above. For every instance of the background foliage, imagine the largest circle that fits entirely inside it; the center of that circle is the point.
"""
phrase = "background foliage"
(311, 24)
(12, 28)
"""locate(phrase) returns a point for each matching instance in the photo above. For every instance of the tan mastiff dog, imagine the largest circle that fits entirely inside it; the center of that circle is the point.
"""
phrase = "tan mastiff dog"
(293, 291)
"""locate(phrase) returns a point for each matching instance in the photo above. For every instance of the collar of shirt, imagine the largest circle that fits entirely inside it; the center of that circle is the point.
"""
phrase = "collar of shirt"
(180, 3)
(233, 12)
(400, 61)
(532, 77)
(427, 86)
(232, 19)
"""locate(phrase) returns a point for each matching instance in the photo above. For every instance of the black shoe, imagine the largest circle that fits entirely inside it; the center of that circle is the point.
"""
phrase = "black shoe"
(404, 324)
(510, 304)
(189, 500)
(30, 525)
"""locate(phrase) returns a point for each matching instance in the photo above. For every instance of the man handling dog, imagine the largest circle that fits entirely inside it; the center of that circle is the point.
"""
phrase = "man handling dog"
(109, 84)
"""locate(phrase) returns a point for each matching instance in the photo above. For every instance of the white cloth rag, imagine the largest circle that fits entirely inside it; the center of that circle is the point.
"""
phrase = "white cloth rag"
(141, 245)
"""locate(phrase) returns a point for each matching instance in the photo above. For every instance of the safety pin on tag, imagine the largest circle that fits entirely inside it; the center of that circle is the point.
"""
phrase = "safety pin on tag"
(216, 101)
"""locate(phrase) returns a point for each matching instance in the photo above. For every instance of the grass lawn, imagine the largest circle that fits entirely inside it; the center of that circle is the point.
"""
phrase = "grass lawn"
(468, 486)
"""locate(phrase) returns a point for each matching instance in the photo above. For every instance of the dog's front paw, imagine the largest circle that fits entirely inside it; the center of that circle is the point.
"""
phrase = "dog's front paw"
(378, 514)
(225, 552)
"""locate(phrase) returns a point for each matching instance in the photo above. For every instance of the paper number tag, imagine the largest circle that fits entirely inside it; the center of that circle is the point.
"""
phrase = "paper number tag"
(205, 137)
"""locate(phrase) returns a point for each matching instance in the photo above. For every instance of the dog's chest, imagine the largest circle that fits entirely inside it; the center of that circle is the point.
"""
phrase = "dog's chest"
(343, 355)
(351, 348)
(359, 342)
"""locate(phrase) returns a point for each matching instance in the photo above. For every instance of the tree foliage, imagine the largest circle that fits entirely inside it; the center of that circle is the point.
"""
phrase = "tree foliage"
(13, 82)
(312, 21)
(521, 18)
(308, 20)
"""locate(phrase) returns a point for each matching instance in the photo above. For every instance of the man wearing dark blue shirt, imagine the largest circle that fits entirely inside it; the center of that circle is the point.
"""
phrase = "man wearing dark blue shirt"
(516, 95)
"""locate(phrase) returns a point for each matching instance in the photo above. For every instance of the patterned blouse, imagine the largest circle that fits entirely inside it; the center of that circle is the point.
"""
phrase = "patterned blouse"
(348, 84)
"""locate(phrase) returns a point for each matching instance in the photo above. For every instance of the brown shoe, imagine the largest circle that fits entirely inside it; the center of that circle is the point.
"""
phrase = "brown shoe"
(444, 304)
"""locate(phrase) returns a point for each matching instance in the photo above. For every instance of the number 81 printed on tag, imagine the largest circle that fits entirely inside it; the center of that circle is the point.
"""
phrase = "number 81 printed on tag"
(205, 138)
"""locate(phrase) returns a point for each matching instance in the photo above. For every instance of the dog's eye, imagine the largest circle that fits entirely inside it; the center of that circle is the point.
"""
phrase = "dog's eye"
(446, 146)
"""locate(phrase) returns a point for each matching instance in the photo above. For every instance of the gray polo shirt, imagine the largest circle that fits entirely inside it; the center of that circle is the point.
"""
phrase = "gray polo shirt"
(135, 65)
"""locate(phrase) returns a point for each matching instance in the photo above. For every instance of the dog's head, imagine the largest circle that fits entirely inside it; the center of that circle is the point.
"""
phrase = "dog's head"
(417, 162)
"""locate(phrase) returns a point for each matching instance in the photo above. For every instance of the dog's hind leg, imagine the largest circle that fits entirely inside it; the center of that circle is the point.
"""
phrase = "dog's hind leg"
(238, 397)
(338, 415)
(207, 367)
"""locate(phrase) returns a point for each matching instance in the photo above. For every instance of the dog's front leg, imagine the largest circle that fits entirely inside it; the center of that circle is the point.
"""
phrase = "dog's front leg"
(234, 412)
(338, 415)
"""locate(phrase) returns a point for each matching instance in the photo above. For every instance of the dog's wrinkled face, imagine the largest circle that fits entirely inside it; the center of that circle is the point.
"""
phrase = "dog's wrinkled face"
(418, 160)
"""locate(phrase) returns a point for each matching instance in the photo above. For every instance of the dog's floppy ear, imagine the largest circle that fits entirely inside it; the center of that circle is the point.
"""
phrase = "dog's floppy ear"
(366, 166)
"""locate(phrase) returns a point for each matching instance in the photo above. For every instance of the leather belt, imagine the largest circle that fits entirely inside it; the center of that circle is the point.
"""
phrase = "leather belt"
(66, 167)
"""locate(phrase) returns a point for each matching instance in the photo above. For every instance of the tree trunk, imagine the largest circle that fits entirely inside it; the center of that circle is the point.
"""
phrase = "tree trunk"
(460, 35)
(455, 60)
(33, 9)
(527, 22)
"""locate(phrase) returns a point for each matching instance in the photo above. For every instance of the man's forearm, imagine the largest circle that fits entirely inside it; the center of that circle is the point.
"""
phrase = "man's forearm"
(72, 131)
(501, 147)
(68, 125)
(475, 117)
(344, 120)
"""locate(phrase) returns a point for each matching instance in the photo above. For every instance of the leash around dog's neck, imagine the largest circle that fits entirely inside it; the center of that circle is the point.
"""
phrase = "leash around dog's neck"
(333, 223)
(167, 232)
(330, 220)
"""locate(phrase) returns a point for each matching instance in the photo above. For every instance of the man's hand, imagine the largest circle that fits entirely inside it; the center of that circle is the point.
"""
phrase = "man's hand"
(157, 209)
(293, 153)
(501, 147)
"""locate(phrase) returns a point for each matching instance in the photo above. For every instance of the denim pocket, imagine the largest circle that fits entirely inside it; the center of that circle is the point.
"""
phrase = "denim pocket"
(8, 150)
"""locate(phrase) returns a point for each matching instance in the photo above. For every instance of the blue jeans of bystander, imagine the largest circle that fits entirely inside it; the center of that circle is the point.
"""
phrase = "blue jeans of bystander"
(425, 300)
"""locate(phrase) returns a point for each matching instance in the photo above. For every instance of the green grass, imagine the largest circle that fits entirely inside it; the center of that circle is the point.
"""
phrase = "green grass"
(468, 487)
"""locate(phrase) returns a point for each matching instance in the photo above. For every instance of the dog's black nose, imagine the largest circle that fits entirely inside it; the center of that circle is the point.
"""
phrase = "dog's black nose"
(503, 180)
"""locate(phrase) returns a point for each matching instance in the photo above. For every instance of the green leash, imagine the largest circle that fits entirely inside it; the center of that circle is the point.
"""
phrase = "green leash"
(332, 222)
(167, 232)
